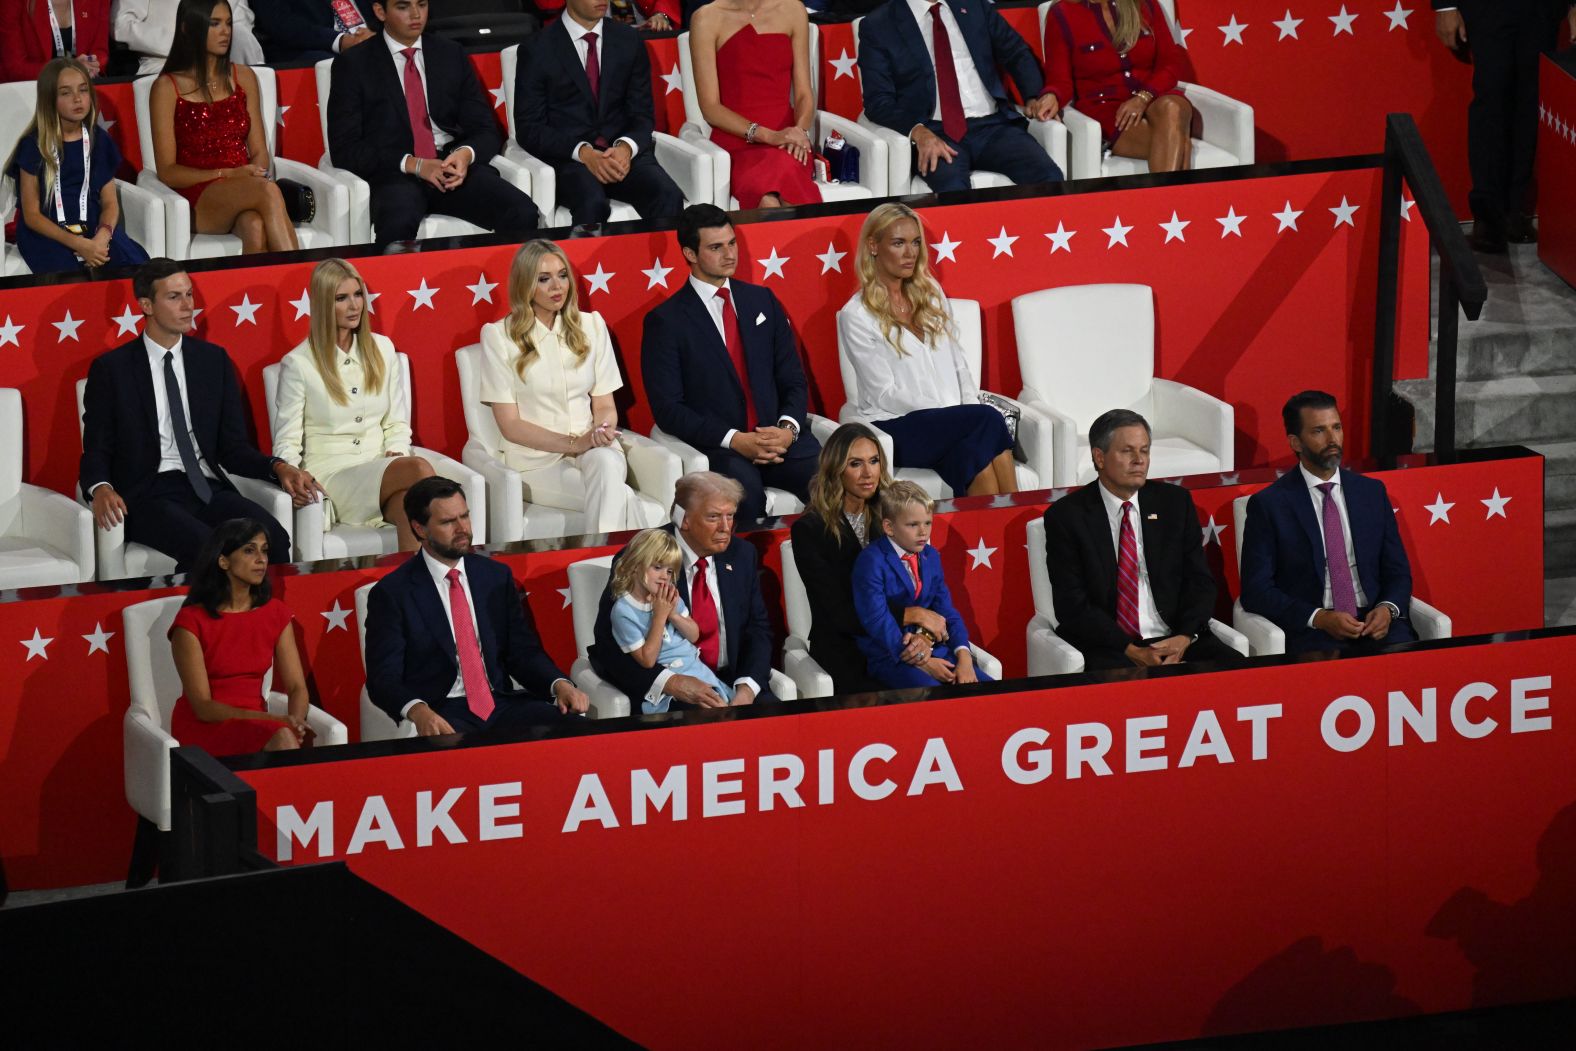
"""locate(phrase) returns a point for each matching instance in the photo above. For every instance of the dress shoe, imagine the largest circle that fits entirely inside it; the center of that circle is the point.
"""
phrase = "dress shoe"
(1519, 229)
(1488, 238)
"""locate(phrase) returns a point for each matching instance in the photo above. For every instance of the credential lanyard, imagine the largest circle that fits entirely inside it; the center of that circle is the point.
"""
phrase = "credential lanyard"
(82, 198)
(54, 27)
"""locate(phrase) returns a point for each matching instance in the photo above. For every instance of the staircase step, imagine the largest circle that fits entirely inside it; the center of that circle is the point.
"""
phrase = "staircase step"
(1559, 543)
(1516, 352)
(1512, 410)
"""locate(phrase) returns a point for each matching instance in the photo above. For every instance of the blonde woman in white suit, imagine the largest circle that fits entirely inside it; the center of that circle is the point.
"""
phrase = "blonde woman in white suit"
(341, 408)
(549, 374)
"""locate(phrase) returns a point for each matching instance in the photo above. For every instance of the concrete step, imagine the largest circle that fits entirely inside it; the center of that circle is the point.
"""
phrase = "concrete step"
(1513, 410)
(1559, 542)
(1516, 352)
(1559, 474)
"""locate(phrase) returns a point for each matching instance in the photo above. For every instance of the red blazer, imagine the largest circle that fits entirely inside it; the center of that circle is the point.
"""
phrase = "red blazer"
(26, 43)
(1082, 66)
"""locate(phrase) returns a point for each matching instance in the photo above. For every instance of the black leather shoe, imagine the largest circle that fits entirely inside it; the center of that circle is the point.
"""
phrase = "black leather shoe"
(1488, 238)
(1519, 229)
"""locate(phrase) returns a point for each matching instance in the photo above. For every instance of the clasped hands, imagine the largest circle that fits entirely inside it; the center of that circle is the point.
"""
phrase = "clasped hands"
(94, 250)
(690, 690)
(607, 166)
(764, 444)
(446, 174)
(1166, 651)
(1338, 625)
(917, 647)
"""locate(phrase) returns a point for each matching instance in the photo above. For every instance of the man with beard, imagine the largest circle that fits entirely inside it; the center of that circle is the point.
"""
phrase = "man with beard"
(1358, 596)
(447, 631)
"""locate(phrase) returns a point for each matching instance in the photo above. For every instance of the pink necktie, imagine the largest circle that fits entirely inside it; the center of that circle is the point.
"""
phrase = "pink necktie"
(703, 608)
(416, 106)
(593, 67)
(912, 561)
(1343, 595)
(1127, 575)
(473, 672)
(953, 124)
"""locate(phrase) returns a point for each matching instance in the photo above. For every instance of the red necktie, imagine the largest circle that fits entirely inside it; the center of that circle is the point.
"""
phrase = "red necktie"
(730, 328)
(953, 124)
(416, 106)
(593, 67)
(703, 608)
(1127, 576)
(912, 561)
(473, 672)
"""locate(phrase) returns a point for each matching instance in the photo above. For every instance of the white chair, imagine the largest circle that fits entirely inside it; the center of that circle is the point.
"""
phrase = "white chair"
(872, 149)
(142, 212)
(779, 502)
(587, 581)
(1049, 653)
(119, 558)
(1034, 427)
(375, 722)
(653, 471)
(359, 194)
(45, 537)
(1265, 636)
(330, 226)
(155, 687)
(688, 166)
(314, 539)
(1084, 349)
(903, 179)
(1223, 126)
(811, 679)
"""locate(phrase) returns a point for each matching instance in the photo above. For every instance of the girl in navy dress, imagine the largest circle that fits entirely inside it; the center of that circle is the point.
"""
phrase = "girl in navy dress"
(65, 168)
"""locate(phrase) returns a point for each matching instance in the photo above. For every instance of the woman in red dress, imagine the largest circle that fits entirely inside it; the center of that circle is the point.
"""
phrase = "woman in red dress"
(752, 73)
(1116, 61)
(225, 638)
(208, 142)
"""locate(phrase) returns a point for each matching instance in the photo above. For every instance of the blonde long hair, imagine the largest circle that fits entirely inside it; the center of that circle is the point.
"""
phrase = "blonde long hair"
(323, 335)
(46, 119)
(826, 488)
(921, 288)
(651, 547)
(522, 319)
(1130, 23)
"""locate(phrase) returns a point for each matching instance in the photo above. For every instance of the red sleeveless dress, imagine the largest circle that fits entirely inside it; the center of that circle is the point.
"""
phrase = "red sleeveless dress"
(755, 80)
(237, 651)
(211, 135)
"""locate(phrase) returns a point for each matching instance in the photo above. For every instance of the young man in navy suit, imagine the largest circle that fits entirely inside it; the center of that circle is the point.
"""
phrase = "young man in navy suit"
(408, 114)
(312, 30)
(582, 103)
(1356, 598)
(899, 590)
(722, 371)
(447, 631)
(720, 583)
(928, 69)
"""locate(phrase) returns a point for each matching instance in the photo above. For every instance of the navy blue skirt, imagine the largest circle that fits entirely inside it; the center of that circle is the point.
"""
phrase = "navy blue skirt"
(44, 256)
(956, 441)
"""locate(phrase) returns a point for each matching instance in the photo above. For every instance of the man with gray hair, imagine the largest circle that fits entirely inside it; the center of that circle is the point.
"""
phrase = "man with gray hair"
(1126, 560)
(720, 584)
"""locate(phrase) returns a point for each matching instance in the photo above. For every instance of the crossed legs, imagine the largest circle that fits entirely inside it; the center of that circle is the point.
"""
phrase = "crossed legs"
(249, 207)
(1163, 137)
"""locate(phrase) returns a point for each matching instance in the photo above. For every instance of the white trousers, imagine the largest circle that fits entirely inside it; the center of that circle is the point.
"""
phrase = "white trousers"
(592, 482)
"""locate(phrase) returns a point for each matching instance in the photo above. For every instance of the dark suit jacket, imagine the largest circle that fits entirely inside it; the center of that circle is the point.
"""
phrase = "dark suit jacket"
(693, 388)
(883, 588)
(1507, 10)
(295, 27)
(369, 126)
(899, 79)
(1283, 549)
(120, 424)
(1081, 558)
(410, 646)
(743, 614)
(826, 565)
(553, 106)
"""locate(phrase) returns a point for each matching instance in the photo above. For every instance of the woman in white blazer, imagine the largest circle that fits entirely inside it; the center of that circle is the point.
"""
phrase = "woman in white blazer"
(549, 375)
(342, 412)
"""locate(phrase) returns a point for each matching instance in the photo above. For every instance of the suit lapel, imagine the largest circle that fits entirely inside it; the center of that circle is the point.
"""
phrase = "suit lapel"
(392, 71)
(485, 629)
(701, 322)
(1099, 526)
(142, 386)
(1302, 511)
(568, 54)
(1150, 522)
(425, 594)
(983, 62)
(908, 32)
(758, 355)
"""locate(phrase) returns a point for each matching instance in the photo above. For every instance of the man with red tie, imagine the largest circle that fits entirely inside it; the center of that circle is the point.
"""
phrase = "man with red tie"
(447, 631)
(407, 113)
(720, 584)
(722, 371)
(1126, 560)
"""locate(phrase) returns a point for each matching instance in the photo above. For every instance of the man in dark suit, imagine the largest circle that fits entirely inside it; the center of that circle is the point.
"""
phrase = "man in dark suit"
(408, 115)
(1358, 598)
(730, 606)
(1504, 38)
(722, 371)
(447, 632)
(312, 30)
(582, 103)
(1126, 560)
(929, 71)
(161, 415)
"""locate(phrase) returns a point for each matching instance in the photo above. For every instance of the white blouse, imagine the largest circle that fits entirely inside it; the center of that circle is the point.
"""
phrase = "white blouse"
(890, 384)
(557, 390)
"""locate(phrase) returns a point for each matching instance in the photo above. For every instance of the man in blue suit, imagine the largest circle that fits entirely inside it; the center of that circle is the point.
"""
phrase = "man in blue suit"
(446, 632)
(722, 370)
(312, 30)
(1356, 599)
(929, 71)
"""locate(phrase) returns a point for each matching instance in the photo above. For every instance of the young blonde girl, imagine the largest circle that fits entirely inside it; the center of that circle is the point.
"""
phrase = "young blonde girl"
(650, 621)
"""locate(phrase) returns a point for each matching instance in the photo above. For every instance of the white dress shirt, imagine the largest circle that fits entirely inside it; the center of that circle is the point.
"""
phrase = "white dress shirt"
(893, 384)
(1150, 624)
(713, 303)
(690, 558)
(578, 34)
(977, 102)
(440, 138)
(1338, 494)
(169, 452)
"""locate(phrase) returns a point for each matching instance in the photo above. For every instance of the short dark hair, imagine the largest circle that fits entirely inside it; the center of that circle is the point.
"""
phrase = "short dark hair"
(206, 584)
(419, 497)
(1108, 423)
(698, 217)
(151, 273)
(1291, 413)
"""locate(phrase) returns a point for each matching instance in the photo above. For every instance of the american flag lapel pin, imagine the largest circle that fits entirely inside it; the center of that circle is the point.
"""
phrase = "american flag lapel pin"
(728, 566)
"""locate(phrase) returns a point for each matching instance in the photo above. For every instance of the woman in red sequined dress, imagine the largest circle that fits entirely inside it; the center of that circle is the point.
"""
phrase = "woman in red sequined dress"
(752, 73)
(208, 142)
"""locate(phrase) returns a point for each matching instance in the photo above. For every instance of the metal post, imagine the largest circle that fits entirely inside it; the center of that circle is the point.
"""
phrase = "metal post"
(1445, 369)
(1385, 307)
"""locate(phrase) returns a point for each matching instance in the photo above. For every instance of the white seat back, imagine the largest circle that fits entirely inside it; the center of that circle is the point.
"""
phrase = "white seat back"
(1062, 332)
(508, 62)
(478, 417)
(1239, 518)
(17, 102)
(267, 104)
(362, 595)
(692, 113)
(796, 602)
(587, 581)
(1039, 574)
(323, 74)
(150, 666)
(10, 455)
